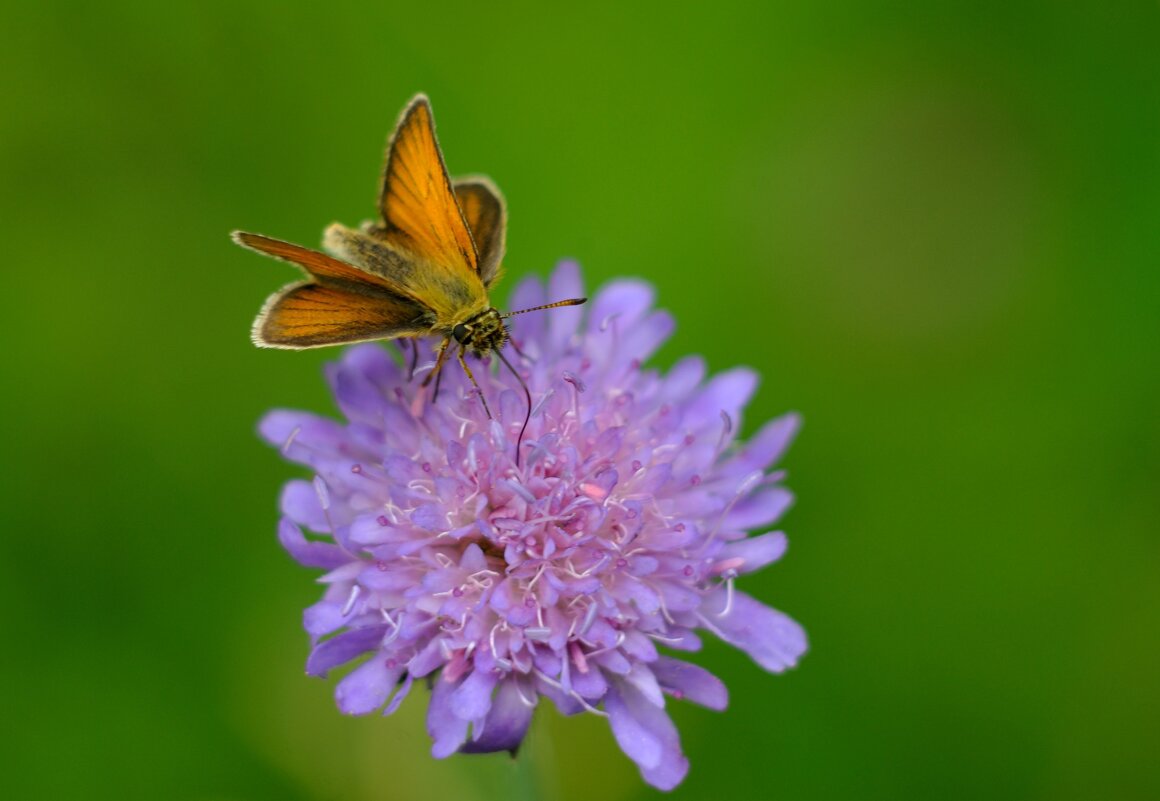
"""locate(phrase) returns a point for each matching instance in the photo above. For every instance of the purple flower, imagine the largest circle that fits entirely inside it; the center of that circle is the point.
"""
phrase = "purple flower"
(620, 531)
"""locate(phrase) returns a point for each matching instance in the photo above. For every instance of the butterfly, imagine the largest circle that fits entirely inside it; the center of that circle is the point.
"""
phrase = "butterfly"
(424, 268)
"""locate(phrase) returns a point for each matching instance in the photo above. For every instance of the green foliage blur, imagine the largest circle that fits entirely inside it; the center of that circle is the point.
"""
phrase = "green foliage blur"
(933, 228)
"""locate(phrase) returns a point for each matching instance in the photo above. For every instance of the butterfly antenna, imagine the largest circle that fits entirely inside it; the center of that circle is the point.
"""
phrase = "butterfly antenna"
(556, 305)
(527, 394)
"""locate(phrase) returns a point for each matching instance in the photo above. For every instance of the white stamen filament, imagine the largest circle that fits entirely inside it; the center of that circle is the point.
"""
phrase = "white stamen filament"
(726, 430)
(397, 628)
(290, 440)
(535, 578)
(529, 702)
(355, 592)
(589, 619)
(322, 492)
(746, 486)
(553, 683)
(728, 598)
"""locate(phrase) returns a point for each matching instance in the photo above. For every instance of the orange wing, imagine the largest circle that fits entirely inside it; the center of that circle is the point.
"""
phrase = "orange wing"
(308, 315)
(420, 214)
(341, 304)
(325, 268)
(483, 210)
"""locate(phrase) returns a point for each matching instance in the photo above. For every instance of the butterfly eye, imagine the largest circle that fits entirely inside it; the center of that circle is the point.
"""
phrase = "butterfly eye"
(460, 333)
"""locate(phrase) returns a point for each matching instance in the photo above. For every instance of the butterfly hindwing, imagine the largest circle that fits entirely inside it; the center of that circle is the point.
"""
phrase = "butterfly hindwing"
(484, 211)
(342, 302)
(307, 315)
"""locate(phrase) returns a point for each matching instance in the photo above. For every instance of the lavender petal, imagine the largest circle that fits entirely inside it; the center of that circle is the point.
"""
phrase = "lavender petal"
(647, 736)
(506, 724)
(772, 639)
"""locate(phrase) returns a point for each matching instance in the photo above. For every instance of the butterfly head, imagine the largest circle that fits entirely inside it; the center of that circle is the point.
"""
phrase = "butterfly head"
(483, 333)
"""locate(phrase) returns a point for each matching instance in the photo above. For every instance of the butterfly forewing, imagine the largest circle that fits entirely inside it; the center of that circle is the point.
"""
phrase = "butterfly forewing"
(418, 207)
(322, 267)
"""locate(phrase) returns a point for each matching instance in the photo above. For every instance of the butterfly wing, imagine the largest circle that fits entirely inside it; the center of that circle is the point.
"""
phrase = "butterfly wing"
(322, 267)
(341, 304)
(486, 216)
(421, 218)
(306, 315)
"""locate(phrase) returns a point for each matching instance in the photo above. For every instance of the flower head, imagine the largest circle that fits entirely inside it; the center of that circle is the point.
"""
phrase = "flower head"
(619, 531)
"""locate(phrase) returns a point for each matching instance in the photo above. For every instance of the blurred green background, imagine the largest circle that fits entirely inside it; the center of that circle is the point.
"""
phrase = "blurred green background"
(932, 227)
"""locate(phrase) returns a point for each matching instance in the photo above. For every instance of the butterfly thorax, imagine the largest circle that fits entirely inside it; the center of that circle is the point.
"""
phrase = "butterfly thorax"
(482, 333)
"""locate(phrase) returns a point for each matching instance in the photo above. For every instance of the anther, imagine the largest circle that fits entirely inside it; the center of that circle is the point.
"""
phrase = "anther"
(571, 378)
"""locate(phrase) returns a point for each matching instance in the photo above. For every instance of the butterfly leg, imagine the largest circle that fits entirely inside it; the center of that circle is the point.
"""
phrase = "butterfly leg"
(466, 369)
(438, 369)
(414, 358)
(408, 344)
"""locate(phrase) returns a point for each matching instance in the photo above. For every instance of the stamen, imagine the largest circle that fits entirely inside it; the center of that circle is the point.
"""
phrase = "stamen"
(543, 400)
(751, 481)
(728, 598)
(398, 628)
(528, 702)
(355, 591)
(727, 568)
(290, 440)
(519, 489)
(321, 491)
(323, 500)
(589, 619)
(553, 683)
(491, 641)
(575, 381)
(726, 430)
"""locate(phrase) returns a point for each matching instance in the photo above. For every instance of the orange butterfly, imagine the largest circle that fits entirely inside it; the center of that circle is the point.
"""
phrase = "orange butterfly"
(424, 269)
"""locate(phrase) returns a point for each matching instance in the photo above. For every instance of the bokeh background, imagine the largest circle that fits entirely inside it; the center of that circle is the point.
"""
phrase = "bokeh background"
(933, 227)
